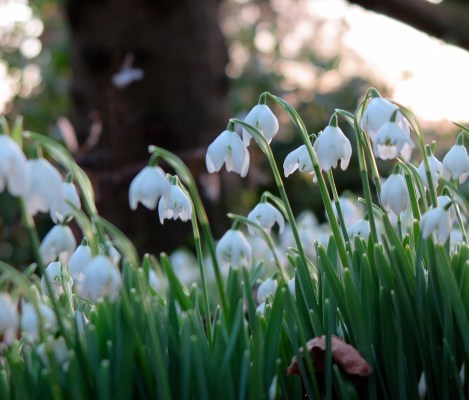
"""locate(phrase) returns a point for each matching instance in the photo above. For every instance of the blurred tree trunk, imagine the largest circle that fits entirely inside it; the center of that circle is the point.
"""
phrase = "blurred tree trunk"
(180, 104)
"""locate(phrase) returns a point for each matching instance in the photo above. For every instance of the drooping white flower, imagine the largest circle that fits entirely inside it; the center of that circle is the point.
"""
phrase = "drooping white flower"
(265, 215)
(436, 171)
(112, 252)
(262, 118)
(446, 202)
(299, 159)
(331, 146)
(8, 318)
(392, 141)
(14, 171)
(266, 288)
(147, 187)
(351, 212)
(184, 266)
(456, 162)
(61, 209)
(55, 346)
(233, 250)
(45, 188)
(228, 149)
(59, 242)
(360, 228)
(102, 279)
(175, 204)
(394, 194)
(377, 113)
(436, 221)
(31, 321)
(59, 279)
(78, 261)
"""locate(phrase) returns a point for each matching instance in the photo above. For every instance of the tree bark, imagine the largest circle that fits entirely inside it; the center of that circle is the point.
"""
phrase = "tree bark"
(180, 104)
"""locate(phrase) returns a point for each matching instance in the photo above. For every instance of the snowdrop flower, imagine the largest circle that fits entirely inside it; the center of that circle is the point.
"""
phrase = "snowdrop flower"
(147, 187)
(228, 149)
(57, 347)
(392, 141)
(156, 283)
(184, 266)
(299, 159)
(395, 195)
(31, 321)
(78, 261)
(456, 162)
(45, 188)
(437, 221)
(59, 242)
(360, 228)
(266, 288)
(175, 204)
(58, 278)
(8, 318)
(350, 210)
(436, 171)
(446, 202)
(61, 209)
(14, 171)
(377, 113)
(262, 118)
(331, 146)
(233, 250)
(112, 252)
(126, 76)
(102, 279)
(265, 215)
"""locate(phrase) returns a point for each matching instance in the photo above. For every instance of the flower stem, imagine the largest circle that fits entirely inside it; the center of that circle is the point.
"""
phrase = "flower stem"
(30, 227)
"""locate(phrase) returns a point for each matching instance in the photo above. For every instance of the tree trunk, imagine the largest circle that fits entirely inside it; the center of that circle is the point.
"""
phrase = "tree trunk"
(180, 103)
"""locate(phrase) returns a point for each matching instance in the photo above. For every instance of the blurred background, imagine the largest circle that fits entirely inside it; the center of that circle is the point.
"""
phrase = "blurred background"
(109, 77)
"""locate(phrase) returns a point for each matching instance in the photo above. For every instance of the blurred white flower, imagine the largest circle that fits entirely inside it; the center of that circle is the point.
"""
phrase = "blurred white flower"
(8, 318)
(31, 321)
(45, 188)
(331, 146)
(184, 266)
(360, 228)
(112, 252)
(78, 261)
(175, 204)
(59, 242)
(147, 187)
(61, 209)
(266, 288)
(14, 171)
(126, 76)
(58, 278)
(436, 221)
(436, 171)
(228, 149)
(299, 159)
(265, 215)
(262, 118)
(292, 286)
(394, 194)
(351, 212)
(102, 279)
(456, 162)
(377, 113)
(57, 347)
(392, 141)
(233, 250)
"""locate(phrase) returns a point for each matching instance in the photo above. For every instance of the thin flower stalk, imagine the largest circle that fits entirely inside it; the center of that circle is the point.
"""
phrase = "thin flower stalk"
(31, 230)
(338, 207)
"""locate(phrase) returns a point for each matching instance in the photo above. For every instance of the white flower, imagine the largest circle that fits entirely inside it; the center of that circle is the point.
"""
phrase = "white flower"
(262, 118)
(456, 162)
(377, 113)
(31, 321)
(45, 188)
(266, 288)
(184, 266)
(445, 201)
(147, 187)
(126, 76)
(58, 278)
(8, 318)
(438, 221)
(392, 141)
(292, 286)
(395, 195)
(57, 347)
(436, 171)
(78, 261)
(228, 149)
(266, 215)
(175, 204)
(14, 171)
(331, 146)
(360, 228)
(102, 279)
(61, 209)
(59, 242)
(234, 250)
(299, 159)
(351, 212)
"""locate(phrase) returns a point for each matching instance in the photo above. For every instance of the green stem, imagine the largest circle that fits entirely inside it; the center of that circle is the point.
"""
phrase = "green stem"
(33, 236)
(335, 195)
